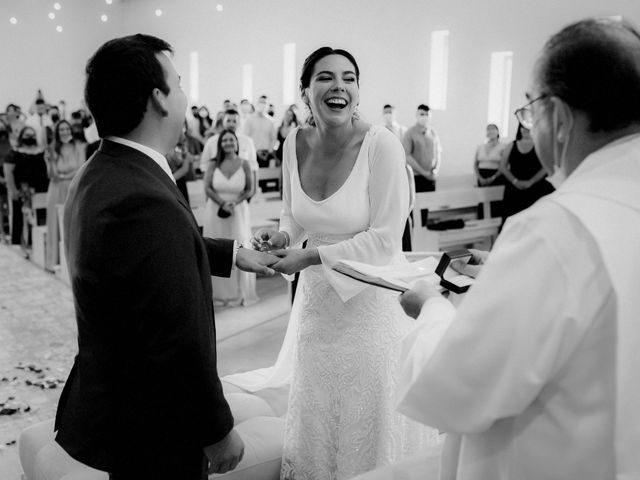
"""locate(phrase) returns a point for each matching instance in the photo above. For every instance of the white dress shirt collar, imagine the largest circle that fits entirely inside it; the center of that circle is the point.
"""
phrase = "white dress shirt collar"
(149, 152)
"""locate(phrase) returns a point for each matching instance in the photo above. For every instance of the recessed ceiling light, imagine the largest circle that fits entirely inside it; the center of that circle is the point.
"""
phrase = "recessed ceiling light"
(13, 20)
(158, 12)
(59, 28)
(109, 2)
(52, 15)
(57, 6)
(104, 18)
(219, 7)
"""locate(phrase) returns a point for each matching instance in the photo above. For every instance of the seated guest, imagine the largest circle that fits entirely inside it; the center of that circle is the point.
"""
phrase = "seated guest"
(536, 374)
(488, 158)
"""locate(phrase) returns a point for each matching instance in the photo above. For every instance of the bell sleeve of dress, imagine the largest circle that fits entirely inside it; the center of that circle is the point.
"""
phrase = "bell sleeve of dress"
(287, 222)
(389, 199)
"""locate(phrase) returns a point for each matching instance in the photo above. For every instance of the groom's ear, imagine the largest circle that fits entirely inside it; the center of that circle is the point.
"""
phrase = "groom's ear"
(158, 102)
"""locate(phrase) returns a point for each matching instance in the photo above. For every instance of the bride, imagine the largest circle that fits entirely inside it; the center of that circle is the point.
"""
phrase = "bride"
(346, 191)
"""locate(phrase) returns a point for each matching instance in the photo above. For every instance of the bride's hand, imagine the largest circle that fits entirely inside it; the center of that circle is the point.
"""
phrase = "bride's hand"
(267, 239)
(295, 259)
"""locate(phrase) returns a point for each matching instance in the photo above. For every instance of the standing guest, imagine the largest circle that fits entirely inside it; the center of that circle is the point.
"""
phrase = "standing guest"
(181, 164)
(342, 339)
(15, 121)
(524, 174)
(489, 157)
(5, 148)
(143, 399)
(424, 152)
(228, 185)
(205, 122)
(64, 158)
(77, 128)
(41, 122)
(262, 131)
(195, 141)
(247, 150)
(26, 173)
(289, 122)
(389, 119)
(54, 114)
(246, 110)
(536, 374)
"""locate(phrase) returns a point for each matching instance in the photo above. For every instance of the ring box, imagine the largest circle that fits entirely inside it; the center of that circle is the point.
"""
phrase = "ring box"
(449, 278)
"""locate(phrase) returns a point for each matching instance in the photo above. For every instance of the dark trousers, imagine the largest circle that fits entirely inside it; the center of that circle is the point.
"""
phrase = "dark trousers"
(406, 236)
(423, 184)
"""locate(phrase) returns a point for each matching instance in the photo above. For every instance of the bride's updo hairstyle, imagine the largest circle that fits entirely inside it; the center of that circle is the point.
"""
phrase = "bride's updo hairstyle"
(310, 63)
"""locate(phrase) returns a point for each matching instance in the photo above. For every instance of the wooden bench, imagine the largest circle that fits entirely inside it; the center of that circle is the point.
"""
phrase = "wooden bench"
(456, 203)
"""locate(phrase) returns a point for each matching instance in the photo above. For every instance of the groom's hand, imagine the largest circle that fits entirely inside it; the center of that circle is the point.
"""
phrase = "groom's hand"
(225, 455)
(257, 262)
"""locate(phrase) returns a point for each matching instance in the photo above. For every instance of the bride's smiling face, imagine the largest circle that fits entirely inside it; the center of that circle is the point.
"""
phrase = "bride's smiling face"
(333, 93)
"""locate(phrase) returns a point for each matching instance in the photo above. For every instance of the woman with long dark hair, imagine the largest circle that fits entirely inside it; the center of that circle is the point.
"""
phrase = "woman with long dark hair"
(26, 173)
(524, 174)
(228, 184)
(346, 192)
(64, 158)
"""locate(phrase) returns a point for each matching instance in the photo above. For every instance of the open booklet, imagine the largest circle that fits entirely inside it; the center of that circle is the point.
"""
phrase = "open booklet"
(402, 277)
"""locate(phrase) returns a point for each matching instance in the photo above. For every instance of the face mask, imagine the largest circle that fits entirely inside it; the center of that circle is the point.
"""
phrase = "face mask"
(203, 114)
(388, 117)
(422, 121)
(55, 118)
(29, 142)
(260, 107)
(559, 156)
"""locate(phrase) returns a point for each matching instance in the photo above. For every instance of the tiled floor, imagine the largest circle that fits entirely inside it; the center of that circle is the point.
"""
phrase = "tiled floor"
(37, 329)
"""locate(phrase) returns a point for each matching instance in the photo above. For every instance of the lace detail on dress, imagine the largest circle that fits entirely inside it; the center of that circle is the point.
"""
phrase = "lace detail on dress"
(341, 419)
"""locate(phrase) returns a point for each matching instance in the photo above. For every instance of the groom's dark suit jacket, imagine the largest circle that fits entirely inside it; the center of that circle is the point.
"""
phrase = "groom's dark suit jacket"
(145, 376)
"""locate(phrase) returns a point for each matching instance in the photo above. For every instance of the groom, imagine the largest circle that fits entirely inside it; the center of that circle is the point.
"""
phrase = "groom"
(143, 399)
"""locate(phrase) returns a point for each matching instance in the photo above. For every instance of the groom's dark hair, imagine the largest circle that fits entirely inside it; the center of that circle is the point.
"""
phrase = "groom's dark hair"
(120, 78)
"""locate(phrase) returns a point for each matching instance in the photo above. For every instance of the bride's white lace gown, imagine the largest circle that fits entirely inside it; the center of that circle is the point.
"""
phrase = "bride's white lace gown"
(341, 419)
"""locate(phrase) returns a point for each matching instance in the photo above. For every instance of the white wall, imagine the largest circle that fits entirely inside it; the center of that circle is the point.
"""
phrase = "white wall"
(389, 38)
(35, 56)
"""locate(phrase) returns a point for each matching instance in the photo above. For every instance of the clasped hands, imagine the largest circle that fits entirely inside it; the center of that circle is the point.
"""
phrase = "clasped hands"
(287, 260)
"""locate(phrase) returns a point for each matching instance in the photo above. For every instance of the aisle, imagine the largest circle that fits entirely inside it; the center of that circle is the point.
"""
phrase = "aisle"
(38, 334)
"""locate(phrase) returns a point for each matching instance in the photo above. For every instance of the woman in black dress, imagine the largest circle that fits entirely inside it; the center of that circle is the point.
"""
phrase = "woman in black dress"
(525, 176)
(26, 174)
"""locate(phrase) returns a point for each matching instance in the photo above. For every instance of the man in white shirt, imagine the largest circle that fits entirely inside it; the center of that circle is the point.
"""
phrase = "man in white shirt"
(262, 130)
(247, 149)
(41, 123)
(535, 376)
(389, 119)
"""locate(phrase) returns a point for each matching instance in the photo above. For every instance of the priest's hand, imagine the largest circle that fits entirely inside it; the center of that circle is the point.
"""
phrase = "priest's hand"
(256, 262)
(473, 266)
(412, 300)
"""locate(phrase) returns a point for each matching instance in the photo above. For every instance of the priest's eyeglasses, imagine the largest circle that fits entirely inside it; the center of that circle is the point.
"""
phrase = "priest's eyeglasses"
(525, 114)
